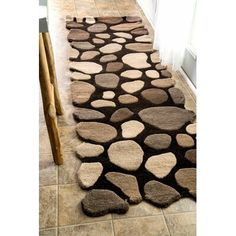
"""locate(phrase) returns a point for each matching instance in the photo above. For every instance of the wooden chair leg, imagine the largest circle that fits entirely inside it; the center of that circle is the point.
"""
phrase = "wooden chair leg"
(52, 71)
(47, 91)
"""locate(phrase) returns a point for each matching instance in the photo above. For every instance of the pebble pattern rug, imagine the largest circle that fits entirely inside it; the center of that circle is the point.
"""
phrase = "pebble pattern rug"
(139, 143)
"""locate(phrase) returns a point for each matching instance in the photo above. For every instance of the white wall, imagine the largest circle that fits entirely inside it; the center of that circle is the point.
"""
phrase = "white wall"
(149, 8)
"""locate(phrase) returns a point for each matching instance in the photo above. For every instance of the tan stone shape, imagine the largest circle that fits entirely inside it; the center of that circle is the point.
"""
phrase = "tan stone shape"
(98, 41)
(96, 131)
(158, 141)
(155, 95)
(73, 25)
(132, 87)
(121, 114)
(103, 36)
(82, 45)
(191, 155)
(87, 150)
(119, 40)
(161, 165)
(90, 20)
(144, 39)
(111, 48)
(108, 58)
(107, 80)
(79, 76)
(139, 47)
(97, 28)
(163, 83)
(81, 91)
(123, 35)
(177, 96)
(191, 128)
(160, 67)
(153, 74)
(136, 60)
(167, 117)
(132, 74)
(131, 128)
(126, 26)
(88, 55)
(86, 67)
(77, 35)
(89, 173)
(128, 184)
(139, 31)
(114, 66)
(108, 95)
(73, 53)
(133, 18)
(127, 99)
(81, 113)
(102, 103)
(184, 140)
(186, 178)
(155, 57)
(126, 154)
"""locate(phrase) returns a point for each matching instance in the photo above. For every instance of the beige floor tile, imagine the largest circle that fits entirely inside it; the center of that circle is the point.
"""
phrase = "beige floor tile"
(47, 170)
(48, 206)
(67, 173)
(48, 232)
(142, 209)
(103, 228)
(107, 8)
(182, 224)
(70, 211)
(148, 226)
(183, 205)
(44, 143)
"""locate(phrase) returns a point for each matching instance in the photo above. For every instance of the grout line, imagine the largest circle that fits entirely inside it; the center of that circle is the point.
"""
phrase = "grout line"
(177, 213)
(138, 217)
(166, 225)
(97, 8)
(112, 226)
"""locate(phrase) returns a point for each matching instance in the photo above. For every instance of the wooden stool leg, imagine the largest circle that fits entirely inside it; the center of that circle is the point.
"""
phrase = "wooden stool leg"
(47, 91)
(52, 71)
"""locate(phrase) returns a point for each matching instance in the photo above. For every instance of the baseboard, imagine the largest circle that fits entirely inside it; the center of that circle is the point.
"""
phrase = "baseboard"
(188, 81)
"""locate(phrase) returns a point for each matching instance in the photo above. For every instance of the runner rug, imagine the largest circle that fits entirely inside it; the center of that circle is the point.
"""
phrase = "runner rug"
(139, 143)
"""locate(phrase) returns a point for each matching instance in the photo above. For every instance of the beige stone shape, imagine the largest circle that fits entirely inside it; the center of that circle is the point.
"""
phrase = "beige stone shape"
(136, 60)
(79, 76)
(132, 74)
(108, 95)
(86, 67)
(161, 165)
(86, 150)
(126, 154)
(102, 103)
(144, 39)
(132, 128)
(110, 48)
(132, 87)
(184, 140)
(89, 173)
(191, 128)
(153, 74)
(123, 35)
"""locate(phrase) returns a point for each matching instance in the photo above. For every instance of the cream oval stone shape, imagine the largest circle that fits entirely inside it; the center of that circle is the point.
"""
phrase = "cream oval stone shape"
(191, 128)
(184, 140)
(90, 20)
(87, 150)
(79, 76)
(132, 74)
(132, 128)
(128, 184)
(88, 55)
(82, 45)
(161, 165)
(153, 74)
(86, 67)
(136, 60)
(123, 35)
(103, 36)
(81, 113)
(143, 38)
(126, 154)
(119, 40)
(73, 53)
(102, 103)
(111, 48)
(97, 28)
(127, 99)
(163, 83)
(98, 41)
(89, 173)
(96, 131)
(108, 95)
(132, 87)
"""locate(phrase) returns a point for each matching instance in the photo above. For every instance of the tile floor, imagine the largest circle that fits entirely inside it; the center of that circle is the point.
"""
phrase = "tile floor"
(60, 211)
